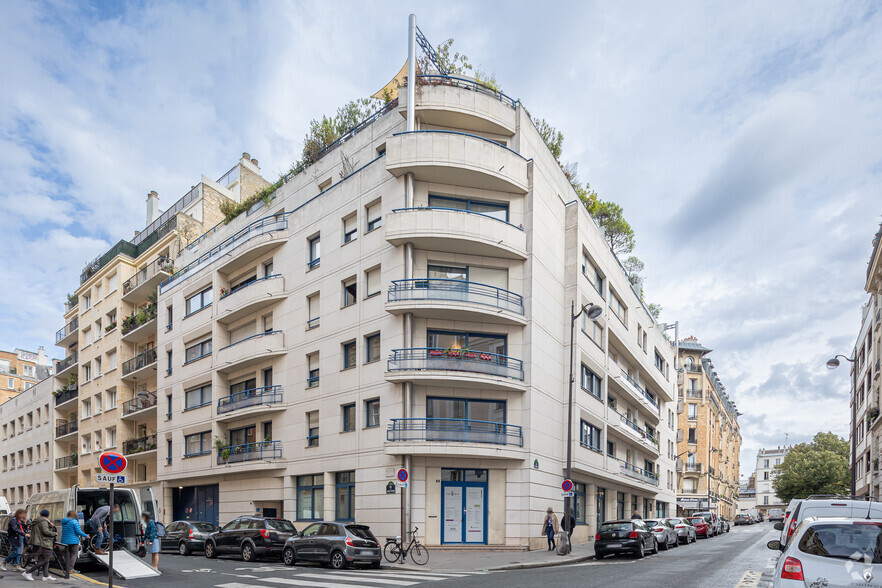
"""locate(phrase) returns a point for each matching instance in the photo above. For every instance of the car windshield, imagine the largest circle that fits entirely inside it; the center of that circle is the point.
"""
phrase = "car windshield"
(361, 531)
(697, 520)
(858, 541)
(615, 527)
(652, 522)
(203, 527)
(281, 525)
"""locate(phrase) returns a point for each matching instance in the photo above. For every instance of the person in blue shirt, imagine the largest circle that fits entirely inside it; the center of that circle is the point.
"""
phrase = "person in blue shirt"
(151, 539)
(71, 533)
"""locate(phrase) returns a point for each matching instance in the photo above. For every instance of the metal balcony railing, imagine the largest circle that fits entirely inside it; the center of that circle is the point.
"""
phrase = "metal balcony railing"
(249, 452)
(694, 393)
(66, 395)
(139, 403)
(246, 398)
(66, 462)
(694, 369)
(642, 391)
(67, 329)
(235, 289)
(65, 363)
(139, 445)
(637, 473)
(465, 83)
(160, 264)
(141, 360)
(462, 360)
(455, 291)
(456, 430)
(66, 428)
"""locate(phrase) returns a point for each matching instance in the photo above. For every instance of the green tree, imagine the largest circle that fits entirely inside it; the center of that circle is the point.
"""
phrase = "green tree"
(819, 467)
(633, 267)
(611, 217)
(552, 137)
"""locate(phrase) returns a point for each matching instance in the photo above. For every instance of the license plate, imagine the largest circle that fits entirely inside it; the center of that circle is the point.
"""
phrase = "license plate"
(614, 545)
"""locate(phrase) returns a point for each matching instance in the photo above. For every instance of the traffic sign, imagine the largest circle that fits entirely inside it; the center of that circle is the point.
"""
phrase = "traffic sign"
(401, 484)
(567, 486)
(402, 475)
(111, 479)
(112, 462)
(567, 494)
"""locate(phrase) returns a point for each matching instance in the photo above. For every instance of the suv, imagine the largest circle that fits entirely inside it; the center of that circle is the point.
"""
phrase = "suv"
(826, 506)
(251, 537)
(713, 521)
(333, 544)
(632, 537)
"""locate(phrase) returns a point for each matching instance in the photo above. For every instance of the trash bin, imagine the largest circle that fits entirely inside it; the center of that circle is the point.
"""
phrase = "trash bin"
(563, 543)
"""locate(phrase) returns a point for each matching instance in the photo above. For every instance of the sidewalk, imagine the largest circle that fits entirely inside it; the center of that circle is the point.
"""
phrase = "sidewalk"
(489, 560)
(11, 577)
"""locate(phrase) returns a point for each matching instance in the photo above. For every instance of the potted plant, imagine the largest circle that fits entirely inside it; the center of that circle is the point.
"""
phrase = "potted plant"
(72, 300)
(71, 381)
(110, 327)
(872, 414)
(224, 292)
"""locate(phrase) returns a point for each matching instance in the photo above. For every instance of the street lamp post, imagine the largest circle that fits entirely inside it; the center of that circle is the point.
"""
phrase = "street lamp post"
(832, 364)
(593, 311)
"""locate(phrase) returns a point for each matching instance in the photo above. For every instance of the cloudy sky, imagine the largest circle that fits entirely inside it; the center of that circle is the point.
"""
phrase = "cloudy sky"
(742, 139)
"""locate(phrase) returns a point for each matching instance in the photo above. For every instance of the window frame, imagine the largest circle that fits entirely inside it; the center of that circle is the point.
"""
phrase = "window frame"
(368, 405)
(201, 345)
(202, 295)
(202, 396)
(347, 417)
(205, 445)
(368, 341)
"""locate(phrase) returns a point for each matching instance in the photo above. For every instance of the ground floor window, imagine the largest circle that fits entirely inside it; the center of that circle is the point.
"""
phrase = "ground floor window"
(579, 503)
(310, 497)
(647, 508)
(345, 496)
(601, 505)
(661, 509)
(620, 505)
(633, 503)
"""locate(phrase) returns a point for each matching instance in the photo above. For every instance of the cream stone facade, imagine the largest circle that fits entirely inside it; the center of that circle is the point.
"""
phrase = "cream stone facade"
(868, 352)
(766, 462)
(21, 369)
(413, 309)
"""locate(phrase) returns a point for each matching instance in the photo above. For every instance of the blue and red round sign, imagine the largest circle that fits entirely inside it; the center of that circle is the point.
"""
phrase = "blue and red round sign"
(567, 486)
(112, 462)
(402, 475)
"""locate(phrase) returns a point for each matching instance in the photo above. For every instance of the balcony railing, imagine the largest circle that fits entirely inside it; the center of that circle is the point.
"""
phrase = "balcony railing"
(246, 398)
(455, 291)
(160, 264)
(649, 398)
(694, 369)
(249, 452)
(462, 360)
(456, 430)
(139, 403)
(139, 445)
(67, 428)
(442, 80)
(67, 329)
(312, 323)
(65, 363)
(235, 289)
(66, 395)
(255, 336)
(141, 360)
(637, 473)
(66, 462)
(694, 393)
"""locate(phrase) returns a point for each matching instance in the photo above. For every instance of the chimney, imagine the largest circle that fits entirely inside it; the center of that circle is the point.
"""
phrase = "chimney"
(254, 161)
(152, 206)
(41, 356)
(246, 157)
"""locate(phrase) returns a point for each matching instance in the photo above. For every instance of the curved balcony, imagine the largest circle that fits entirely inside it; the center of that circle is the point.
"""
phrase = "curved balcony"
(140, 366)
(147, 278)
(445, 437)
(458, 159)
(68, 334)
(261, 450)
(66, 365)
(250, 402)
(456, 367)
(238, 302)
(456, 231)
(438, 298)
(644, 401)
(629, 430)
(250, 351)
(461, 103)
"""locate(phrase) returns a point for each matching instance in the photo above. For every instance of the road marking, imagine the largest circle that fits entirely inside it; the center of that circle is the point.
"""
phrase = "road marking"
(750, 579)
(262, 569)
(87, 579)
(361, 577)
(411, 575)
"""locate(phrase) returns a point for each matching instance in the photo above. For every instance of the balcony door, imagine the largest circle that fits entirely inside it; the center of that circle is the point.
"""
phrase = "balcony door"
(472, 341)
(465, 420)
(242, 436)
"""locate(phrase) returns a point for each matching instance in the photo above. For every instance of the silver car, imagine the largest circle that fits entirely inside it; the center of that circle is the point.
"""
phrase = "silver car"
(685, 530)
(664, 532)
(830, 552)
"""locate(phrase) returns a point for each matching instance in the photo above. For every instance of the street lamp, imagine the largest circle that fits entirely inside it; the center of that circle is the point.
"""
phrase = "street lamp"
(832, 364)
(592, 311)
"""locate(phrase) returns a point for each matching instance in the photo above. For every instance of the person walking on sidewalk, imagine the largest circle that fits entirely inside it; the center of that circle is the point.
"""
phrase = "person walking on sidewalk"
(568, 524)
(71, 533)
(43, 534)
(636, 515)
(151, 539)
(16, 533)
(550, 527)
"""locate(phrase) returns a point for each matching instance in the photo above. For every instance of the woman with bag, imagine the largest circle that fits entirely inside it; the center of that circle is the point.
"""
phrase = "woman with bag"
(43, 534)
(550, 527)
(71, 533)
(151, 539)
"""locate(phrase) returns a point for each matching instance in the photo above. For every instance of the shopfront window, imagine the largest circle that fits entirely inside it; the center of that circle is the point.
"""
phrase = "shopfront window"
(310, 497)
(345, 496)
(579, 504)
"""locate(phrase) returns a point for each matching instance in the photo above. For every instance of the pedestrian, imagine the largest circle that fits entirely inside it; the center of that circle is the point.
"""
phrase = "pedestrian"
(550, 527)
(71, 533)
(43, 534)
(568, 523)
(636, 515)
(99, 525)
(151, 539)
(16, 533)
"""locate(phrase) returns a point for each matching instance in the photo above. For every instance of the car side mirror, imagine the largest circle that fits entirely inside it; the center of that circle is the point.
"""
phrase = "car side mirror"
(779, 526)
(775, 545)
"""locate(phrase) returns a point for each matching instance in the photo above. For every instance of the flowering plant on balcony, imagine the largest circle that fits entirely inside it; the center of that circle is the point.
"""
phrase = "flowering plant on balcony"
(224, 292)
(872, 414)
(464, 353)
(110, 327)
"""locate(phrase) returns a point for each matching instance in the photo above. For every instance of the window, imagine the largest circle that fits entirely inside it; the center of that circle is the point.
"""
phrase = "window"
(579, 503)
(267, 323)
(591, 383)
(473, 341)
(591, 272)
(350, 228)
(344, 496)
(590, 437)
(87, 408)
(348, 417)
(268, 431)
(489, 411)
(111, 360)
(98, 291)
(87, 301)
(87, 337)
(350, 292)
(168, 361)
(111, 283)
(312, 306)
(197, 444)
(691, 437)
(310, 498)
(592, 329)
(169, 314)
(98, 330)
(198, 301)
(372, 280)
(374, 215)
(312, 370)
(196, 397)
(765, 463)
(372, 413)
(197, 351)
(110, 395)
(372, 348)
(312, 429)
(98, 363)
(618, 308)
(692, 411)
(268, 268)
(493, 209)
(659, 362)
(315, 251)
(87, 373)
(168, 407)
(349, 358)
(168, 451)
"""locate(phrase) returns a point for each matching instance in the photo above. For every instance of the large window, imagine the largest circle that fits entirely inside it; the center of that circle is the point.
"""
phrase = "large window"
(310, 498)
(197, 351)
(238, 387)
(197, 444)
(243, 435)
(494, 209)
(590, 436)
(344, 496)
(591, 383)
(199, 301)
(692, 411)
(579, 504)
(492, 411)
(474, 341)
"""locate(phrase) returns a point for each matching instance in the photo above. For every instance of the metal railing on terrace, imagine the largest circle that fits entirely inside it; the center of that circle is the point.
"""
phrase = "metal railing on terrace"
(69, 328)
(141, 360)
(66, 395)
(67, 428)
(463, 360)
(454, 430)
(66, 462)
(235, 289)
(139, 445)
(444, 80)
(455, 291)
(694, 369)
(638, 473)
(160, 264)
(141, 243)
(252, 397)
(255, 336)
(65, 363)
(459, 210)
(142, 401)
(249, 452)
(649, 398)
(690, 393)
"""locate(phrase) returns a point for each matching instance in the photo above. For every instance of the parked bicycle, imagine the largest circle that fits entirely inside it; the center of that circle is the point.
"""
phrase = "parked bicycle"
(418, 553)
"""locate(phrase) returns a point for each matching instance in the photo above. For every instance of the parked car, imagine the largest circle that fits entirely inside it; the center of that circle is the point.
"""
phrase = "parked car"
(685, 530)
(712, 520)
(725, 527)
(743, 519)
(250, 537)
(702, 527)
(833, 551)
(5, 547)
(776, 514)
(632, 537)
(335, 544)
(664, 532)
(186, 537)
(827, 507)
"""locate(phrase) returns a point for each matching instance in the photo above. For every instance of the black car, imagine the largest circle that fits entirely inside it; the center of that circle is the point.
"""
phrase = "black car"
(250, 537)
(632, 537)
(334, 544)
(185, 537)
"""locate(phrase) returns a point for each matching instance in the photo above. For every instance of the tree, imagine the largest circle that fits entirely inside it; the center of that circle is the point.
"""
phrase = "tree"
(552, 137)
(819, 467)
(611, 217)
(633, 266)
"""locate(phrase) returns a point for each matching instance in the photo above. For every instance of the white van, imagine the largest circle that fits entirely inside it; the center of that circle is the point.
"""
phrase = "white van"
(85, 501)
(826, 508)
(4, 506)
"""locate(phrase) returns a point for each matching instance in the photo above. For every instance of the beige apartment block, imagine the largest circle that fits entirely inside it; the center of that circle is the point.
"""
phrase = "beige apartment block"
(106, 386)
(709, 439)
(21, 369)
(405, 301)
(866, 397)
(766, 462)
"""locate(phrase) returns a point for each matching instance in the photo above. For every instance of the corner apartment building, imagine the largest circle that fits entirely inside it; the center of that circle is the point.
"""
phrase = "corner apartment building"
(709, 437)
(869, 376)
(22, 369)
(26, 443)
(106, 396)
(766, 460)
(405, 301)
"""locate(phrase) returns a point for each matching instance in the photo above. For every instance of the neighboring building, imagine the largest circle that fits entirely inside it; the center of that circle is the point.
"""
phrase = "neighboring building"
(870, 374)
(353, 325)
(766, 461)
(746, 498)
(20, 369)
(864, 403)
(709, 437)
(106, 396)
(26, 443)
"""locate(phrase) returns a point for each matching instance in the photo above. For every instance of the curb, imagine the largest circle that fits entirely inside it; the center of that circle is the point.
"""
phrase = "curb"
(541, 564)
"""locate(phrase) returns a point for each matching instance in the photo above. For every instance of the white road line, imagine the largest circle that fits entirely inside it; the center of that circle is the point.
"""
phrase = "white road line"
(407, 575)
(360, 577)
(295, 582)
(750, 579)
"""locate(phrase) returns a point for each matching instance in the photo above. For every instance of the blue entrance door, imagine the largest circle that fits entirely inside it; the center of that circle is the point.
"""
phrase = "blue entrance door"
(464, 506)
(196, 503)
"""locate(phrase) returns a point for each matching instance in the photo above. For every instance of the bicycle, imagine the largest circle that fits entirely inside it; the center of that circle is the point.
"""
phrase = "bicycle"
(418, 552)
(118, 543)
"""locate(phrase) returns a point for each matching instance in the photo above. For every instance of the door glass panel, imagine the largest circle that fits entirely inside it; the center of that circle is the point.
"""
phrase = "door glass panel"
(441, 202)
(487, 343)
(474, 519)
(453, 514)
(483, 410)
(475, 475)
(242, 386)
(448, 475)
(494, 210)
(448, 272)
(447, 340)
(445, 408)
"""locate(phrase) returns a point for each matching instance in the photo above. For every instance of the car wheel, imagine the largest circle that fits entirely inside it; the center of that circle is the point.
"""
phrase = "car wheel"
(663, 546)
(183, 549)
(599, 555)
(248, 553)
(210, 550)
(640, 551)
(338, 562)
(654, 546)
(288, 557)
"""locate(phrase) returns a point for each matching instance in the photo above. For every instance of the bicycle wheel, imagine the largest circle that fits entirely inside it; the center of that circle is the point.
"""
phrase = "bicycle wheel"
(392, 552)
(419, 555)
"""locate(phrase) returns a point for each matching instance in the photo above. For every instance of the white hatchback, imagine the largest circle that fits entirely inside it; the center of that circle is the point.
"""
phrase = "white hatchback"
(831, 552)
